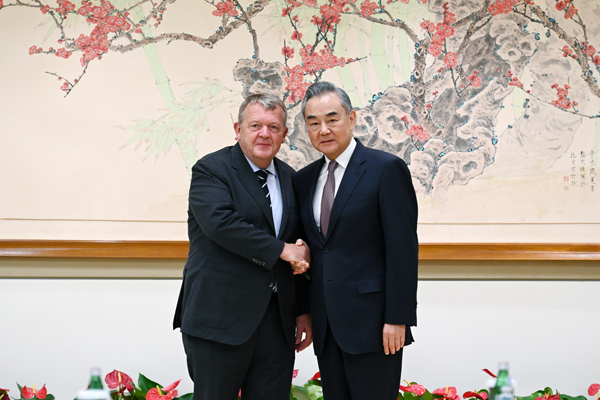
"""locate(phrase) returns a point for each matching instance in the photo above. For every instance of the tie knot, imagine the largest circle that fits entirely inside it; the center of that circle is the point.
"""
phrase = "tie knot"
(262, 174)
(332, 165)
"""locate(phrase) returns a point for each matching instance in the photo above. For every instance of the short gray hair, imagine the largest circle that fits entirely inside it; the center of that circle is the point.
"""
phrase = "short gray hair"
(267, 100)
(320, 88)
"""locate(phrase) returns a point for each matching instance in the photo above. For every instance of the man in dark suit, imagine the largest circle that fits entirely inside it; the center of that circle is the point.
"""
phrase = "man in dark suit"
(243, 307)
(359, 211)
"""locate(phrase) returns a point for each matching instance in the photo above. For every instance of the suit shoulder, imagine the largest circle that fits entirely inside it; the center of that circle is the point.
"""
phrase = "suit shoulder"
(308, 170)
(216, 157)
(383, 157)
(285, 167)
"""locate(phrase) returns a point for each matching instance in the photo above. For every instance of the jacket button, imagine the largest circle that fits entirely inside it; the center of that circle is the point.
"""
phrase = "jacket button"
(326, 250)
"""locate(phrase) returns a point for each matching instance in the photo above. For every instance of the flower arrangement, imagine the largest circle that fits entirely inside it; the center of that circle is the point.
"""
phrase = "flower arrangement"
(122, 388)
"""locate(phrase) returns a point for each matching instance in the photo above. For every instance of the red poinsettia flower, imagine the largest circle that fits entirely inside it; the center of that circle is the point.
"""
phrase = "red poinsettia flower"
(30, 393)
(594, 389)
(414, 388)
(167, 393)
(317, 376)
(119, 379)
(481, 395)
(449, 393)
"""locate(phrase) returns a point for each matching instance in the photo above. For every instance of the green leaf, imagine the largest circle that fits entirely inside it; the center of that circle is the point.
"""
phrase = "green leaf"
(50, 397)
(187, 396)
(315, 392)
(146, 384)
(567, 397)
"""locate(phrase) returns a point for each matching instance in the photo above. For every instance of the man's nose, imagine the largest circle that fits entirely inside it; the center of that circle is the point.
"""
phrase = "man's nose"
(324, 129)
(264, 132)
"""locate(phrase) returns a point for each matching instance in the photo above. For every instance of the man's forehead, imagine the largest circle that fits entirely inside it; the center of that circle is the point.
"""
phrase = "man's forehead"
(258, 111)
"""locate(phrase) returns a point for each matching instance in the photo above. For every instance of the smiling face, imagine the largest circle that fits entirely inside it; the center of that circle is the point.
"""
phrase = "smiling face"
(261, 133)
(329, 125)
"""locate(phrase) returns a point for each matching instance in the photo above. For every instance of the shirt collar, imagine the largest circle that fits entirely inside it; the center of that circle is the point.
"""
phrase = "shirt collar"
(344, 159)
(270, 168)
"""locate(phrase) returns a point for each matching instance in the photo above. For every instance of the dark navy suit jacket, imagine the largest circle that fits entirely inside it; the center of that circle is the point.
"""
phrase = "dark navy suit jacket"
(364, 273)
(234, 254)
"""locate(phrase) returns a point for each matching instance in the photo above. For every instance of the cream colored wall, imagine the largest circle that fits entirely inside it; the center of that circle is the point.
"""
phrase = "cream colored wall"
(54, 330)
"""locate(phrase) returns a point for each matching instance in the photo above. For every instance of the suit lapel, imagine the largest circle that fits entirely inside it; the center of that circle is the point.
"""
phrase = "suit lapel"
(248, 179)
(287, 191)
(352, 176)
(313, 177)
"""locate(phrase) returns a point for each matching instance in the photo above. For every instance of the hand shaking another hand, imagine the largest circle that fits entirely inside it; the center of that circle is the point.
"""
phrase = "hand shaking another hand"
(298, 255)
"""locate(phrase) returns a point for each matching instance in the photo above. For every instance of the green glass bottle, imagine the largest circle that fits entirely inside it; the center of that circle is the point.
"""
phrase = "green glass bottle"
(95, 381)
(95, 390)
(503, 389)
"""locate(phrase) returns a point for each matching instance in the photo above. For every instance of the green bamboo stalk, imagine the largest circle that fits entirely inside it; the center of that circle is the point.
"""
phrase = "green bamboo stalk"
(163, 83)
(364, 65)
(346, 77)
(390, 59)
(378, 56)
(403, 47)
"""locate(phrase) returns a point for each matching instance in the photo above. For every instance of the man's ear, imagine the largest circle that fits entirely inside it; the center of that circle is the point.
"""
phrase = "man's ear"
(236, 128)
(352, 117)
(285, 132)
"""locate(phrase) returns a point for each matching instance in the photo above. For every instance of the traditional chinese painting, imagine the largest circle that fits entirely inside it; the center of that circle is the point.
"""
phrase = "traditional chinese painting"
(494, 105)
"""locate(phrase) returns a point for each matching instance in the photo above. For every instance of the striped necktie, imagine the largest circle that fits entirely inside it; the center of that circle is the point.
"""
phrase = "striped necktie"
(262, 178)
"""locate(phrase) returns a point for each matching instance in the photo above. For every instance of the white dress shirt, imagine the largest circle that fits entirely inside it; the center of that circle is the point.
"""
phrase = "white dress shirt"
(342, 160)
(274, 192)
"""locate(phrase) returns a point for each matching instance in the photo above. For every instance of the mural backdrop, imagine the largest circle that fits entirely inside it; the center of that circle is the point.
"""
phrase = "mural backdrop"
(106, 106)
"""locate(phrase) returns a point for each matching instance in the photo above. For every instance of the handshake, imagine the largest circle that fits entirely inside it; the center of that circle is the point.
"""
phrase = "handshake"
(298, 255)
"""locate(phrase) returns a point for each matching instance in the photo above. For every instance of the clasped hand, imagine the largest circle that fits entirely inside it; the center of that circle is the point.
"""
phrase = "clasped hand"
(298, 255)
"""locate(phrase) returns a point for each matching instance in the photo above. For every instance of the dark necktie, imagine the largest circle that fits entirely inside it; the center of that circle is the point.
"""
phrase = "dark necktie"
(328, 196)
(262, 178)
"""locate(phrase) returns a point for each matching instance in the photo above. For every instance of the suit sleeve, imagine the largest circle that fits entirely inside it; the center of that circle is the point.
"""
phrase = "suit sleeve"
(213, 208)
(398, 207)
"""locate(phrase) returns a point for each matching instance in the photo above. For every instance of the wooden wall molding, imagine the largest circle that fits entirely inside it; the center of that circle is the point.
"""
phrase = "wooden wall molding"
(179, 249)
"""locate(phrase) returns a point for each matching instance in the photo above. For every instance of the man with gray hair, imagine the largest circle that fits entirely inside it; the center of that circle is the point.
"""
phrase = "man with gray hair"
(243, 305)
(359, 211)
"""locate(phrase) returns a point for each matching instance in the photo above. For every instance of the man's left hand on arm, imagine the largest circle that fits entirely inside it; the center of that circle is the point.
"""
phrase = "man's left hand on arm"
(303, 326)
(393, 338)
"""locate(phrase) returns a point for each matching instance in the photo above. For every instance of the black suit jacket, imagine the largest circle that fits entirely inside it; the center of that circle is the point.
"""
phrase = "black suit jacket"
(234, 255)
(364, 273)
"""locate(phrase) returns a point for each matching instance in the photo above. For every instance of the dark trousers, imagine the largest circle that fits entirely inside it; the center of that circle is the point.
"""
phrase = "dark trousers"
(358, 376)
(261, 367)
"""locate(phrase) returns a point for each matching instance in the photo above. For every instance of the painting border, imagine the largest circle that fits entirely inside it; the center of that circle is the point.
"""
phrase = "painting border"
(179, 250)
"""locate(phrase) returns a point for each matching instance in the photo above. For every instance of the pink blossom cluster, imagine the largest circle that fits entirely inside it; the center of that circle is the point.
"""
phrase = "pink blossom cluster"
(566, 6)
(502, 6)
(65, 7)
(418, 133)
(368, 8)
(450, 60)
(34, 49)
(514, 81)
(562, 101)
(107, 21)
(441, 32)
(475, 81)
(287, 52)
(225, 7)
(312, 62)
(295, 84)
